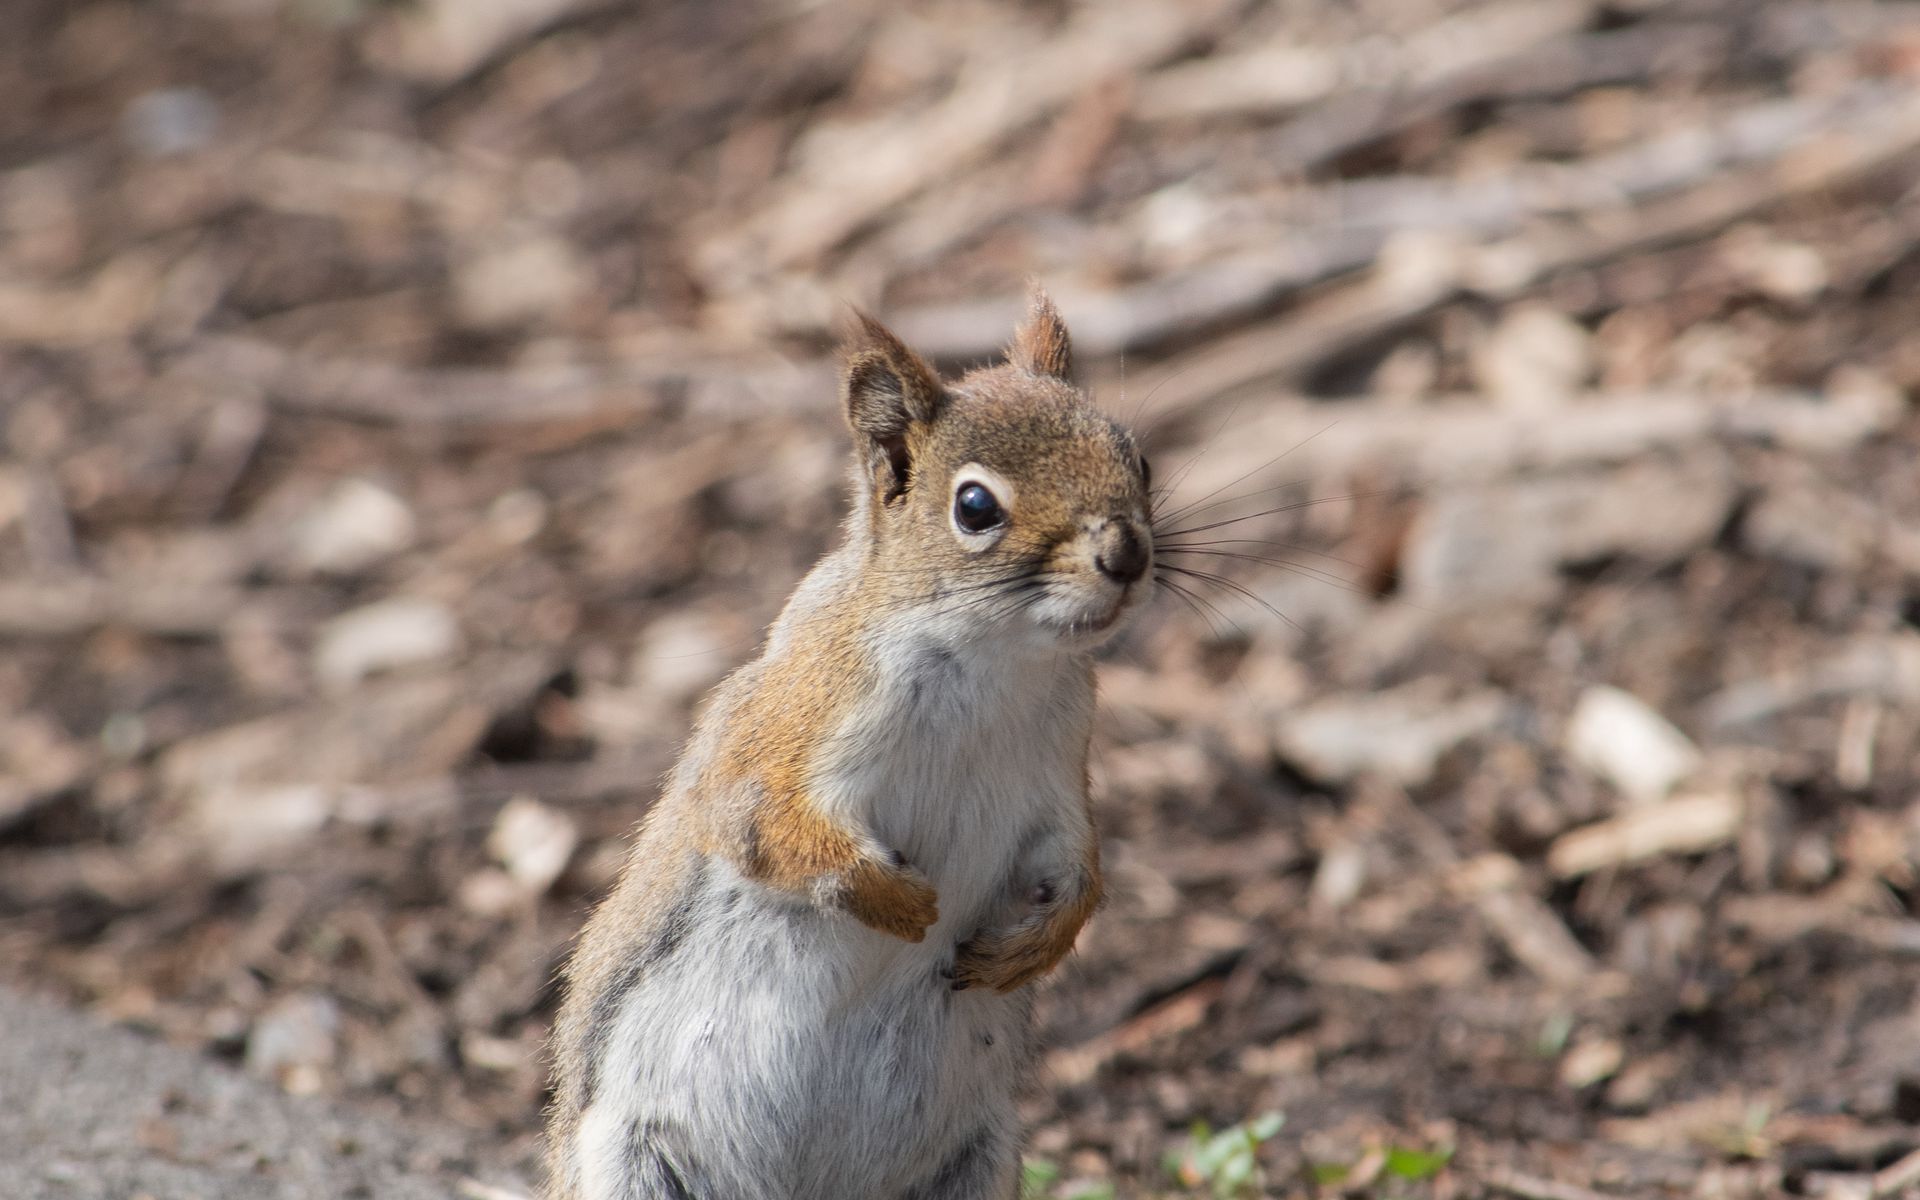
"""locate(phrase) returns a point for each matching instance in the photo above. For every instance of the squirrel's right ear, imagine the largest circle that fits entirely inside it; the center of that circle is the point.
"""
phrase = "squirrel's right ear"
(888, 387)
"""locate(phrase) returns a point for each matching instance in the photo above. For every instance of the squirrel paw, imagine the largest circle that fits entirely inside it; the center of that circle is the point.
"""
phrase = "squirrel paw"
(891, 897)
(1012, 957)
(1003, 959)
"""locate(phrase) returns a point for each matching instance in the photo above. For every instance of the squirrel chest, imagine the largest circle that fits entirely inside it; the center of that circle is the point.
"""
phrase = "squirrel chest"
(963, 753)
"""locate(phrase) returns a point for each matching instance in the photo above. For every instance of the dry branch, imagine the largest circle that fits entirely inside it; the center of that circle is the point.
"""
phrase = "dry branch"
(614, 395)
(854, 175)
(62, 606)
(1517, 52)
(1718, 172)
(1471, 442)
(1683, 825)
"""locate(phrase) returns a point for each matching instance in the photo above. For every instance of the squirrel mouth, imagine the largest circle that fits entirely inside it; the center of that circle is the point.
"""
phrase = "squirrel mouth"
(1100, 621)
(1083, 617)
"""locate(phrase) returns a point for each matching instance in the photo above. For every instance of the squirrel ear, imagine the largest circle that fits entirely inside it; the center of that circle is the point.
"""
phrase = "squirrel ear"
(1041, 345)
(888, 387)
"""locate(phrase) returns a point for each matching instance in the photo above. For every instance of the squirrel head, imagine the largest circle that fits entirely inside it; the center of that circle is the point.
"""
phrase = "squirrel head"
(1005, 496)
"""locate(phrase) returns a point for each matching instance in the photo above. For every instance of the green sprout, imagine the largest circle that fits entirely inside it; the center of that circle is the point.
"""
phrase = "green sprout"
(1416, 1165)
(1036, 1176)
(1227, 1162)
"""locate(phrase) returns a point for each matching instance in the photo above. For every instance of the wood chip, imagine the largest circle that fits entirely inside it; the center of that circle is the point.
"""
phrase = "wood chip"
(1685, 824)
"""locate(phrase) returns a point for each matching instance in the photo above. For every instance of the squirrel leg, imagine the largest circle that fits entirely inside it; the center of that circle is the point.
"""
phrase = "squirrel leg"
(796, 848)
(1014, 956)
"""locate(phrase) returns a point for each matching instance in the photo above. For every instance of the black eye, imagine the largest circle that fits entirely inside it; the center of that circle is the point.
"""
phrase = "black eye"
(1146, 475)
(975, 510)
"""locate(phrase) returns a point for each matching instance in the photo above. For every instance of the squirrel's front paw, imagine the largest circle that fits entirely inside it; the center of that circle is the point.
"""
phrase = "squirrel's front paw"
(892, 898)
(1009, 958)
(1003, 959)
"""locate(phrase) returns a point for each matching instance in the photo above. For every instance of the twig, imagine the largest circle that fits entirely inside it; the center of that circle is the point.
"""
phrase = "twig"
(1455, 62)
(1439, 442)
(876, 166)
(1781, 918)
(1517, 54)
(449, 399)
(1683, 825)
(1791, 148)
(1897, 1176)
(61, 606)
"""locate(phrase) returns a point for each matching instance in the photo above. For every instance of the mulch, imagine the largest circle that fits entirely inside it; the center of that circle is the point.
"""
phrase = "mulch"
(406, 419)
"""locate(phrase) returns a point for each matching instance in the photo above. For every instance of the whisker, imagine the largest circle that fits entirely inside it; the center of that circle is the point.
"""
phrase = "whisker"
(1223, 581)
(1323, 576)
(1192, 601)
(1293, 546)
(1197, 507)
(1201, 453)
(1185, 510)
(981, 599)
(1160, 534)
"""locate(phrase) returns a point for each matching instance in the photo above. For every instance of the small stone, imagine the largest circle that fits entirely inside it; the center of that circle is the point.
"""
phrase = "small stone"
(354, 526)
(242, 826)
(1338, 880)
(1781, 270)
(517, 517)
(1624, 741)
(533, 842)
(490, 892)
(390, 634)
(1399, 735)
(1536, 357)
(295, 1040)
(519, 282)
(1587, 1063)
(491, 1053)
(1640, 1083)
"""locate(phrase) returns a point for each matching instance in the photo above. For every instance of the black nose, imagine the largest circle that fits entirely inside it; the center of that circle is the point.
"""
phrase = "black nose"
(1122, 556)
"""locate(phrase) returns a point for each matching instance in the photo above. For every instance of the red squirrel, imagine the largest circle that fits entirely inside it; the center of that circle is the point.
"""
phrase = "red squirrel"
(810, 982)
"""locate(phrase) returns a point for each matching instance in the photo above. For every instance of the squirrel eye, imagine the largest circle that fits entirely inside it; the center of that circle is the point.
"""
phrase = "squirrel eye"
(1146, 474)
(975, 510)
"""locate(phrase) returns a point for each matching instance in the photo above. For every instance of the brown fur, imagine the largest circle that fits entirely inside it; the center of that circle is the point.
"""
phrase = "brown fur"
(1041, 345)
(785, 841)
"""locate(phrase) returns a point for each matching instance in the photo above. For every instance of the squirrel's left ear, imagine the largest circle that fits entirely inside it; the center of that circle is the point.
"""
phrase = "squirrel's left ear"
(1041, 344)
(888, 387)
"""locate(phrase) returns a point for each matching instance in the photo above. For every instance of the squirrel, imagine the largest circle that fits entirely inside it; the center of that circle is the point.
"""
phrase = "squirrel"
(810, 982)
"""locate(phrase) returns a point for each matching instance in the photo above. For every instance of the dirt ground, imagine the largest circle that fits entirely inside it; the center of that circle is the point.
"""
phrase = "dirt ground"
(407, 412)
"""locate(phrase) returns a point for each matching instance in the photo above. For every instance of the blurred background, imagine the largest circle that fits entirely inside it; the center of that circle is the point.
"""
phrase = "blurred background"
(407, 412)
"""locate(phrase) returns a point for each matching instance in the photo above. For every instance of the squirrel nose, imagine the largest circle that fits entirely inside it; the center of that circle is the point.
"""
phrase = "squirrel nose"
(1122, 556)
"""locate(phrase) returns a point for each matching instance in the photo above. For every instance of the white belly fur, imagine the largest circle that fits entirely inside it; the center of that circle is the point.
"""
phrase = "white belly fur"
(799, 1054)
